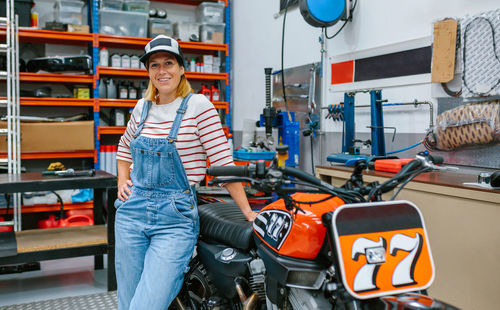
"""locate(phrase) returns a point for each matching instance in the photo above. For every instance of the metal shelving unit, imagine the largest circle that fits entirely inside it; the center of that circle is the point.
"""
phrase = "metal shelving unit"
(13, 156)
(101, 40)
(95, 41)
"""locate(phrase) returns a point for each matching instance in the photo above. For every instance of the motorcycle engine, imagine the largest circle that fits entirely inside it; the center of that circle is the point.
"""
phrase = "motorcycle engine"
(257, 277)
(301, 299)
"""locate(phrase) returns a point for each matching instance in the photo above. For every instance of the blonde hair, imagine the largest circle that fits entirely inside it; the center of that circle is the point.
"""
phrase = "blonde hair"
(183, 89)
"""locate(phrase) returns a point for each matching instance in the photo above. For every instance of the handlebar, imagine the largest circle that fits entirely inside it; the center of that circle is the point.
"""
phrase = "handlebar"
(273, 178)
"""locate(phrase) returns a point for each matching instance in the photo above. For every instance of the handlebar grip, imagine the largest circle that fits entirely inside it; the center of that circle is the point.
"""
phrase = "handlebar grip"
(236, 171)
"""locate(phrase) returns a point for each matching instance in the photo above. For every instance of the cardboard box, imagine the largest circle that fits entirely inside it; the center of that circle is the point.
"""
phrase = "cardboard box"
(207, 68)
(216, 61)
(78, 28)
(207, 59)
(53, 137)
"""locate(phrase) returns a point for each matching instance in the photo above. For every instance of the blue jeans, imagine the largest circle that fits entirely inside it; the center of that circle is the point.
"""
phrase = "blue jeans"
(155, 239)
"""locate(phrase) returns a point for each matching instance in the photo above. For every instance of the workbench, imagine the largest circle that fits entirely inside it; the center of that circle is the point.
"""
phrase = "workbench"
(462, 225)
(45, 244)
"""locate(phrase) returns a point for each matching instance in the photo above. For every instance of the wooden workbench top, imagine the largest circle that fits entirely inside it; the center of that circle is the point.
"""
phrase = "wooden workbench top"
(60, 238)
(443, 178)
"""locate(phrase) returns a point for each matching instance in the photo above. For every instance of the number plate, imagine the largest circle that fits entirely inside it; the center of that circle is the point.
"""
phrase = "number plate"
(382, 248)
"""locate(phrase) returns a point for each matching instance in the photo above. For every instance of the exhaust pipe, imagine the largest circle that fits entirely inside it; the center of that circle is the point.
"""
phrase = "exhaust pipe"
(178, 303)
(249, 303)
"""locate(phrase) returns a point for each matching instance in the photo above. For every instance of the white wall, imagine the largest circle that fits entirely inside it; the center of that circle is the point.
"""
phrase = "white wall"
(256, 44)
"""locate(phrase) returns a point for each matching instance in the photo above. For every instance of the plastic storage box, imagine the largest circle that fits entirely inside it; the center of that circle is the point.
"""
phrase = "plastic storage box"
(111, 5)
(160, 26)
(212, 33)
(183, 31)
(69, 12)
(210, 12)
(136, 6)
(123, 23)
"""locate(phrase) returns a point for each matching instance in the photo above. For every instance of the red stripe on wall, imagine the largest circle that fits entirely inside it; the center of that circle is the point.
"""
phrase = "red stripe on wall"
(343, 72)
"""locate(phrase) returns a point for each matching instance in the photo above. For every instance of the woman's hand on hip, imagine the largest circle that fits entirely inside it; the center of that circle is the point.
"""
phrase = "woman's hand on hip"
(124, 190)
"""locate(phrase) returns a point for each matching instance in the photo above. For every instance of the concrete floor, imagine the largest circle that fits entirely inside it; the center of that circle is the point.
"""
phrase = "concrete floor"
(56, 279)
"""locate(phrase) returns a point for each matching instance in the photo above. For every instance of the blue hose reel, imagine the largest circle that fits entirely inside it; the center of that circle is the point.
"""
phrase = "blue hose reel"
(324, 13)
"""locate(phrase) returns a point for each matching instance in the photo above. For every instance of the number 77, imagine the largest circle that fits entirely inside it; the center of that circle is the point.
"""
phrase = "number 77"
(403, 274)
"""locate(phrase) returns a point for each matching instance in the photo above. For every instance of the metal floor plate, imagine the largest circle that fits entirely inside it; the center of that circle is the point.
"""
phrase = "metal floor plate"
(103, 301)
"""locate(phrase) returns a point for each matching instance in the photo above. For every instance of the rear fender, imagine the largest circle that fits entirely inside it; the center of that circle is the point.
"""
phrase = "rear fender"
(409, 301)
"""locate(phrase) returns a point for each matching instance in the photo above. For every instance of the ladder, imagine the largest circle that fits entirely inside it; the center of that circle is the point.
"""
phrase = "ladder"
(13, 159)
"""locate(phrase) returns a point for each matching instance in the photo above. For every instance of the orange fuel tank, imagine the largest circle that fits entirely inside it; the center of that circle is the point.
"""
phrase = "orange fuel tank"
(300, 235)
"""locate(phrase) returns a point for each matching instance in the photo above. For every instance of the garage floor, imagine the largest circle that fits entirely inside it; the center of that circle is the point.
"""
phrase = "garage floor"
(57, 279)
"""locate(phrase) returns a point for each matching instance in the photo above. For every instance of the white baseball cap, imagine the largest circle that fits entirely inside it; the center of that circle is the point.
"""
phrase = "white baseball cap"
(162, 43)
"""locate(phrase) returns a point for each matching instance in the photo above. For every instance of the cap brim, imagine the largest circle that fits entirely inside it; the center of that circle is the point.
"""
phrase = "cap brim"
(144, 58)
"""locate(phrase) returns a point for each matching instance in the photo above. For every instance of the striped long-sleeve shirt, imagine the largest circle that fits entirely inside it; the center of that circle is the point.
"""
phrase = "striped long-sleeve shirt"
(200, 134)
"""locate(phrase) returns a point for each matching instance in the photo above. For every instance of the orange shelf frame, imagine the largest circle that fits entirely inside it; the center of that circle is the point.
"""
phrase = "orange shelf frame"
(221, 105)
(110, 130)
(55, 207)
(139, 43)
(48, 101)
(53, 155)
(142, 73)
(130, 103)
(117, 103)
(50, 36)
(56, 78)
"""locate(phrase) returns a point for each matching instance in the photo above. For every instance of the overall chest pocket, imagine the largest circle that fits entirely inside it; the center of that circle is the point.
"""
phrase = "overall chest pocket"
(153, 168)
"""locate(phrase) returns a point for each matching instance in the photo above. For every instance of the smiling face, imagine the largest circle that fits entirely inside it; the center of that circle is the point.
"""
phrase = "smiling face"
(165, 74)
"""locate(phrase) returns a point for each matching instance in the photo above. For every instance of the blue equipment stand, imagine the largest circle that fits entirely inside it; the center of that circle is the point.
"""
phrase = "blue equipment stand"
(377, 123)
(288, 133)
(349, 156)
(349, 125)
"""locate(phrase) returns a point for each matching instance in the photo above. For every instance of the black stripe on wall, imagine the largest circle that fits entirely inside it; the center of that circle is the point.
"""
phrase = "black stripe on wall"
(359, 220)
(411, 62)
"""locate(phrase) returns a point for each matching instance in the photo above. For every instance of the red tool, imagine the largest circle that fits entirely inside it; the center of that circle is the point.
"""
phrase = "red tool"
(5, 228)
(74, 220)
(391, 165)
(60, 221)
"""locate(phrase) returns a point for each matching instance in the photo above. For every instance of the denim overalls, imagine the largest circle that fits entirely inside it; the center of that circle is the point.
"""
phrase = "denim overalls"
(157, 227)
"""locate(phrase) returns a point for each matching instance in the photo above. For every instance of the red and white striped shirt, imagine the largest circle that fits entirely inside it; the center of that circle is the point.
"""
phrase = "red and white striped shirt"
(199, 135)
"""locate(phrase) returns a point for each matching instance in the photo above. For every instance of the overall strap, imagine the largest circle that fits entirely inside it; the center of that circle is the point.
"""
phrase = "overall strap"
(144, 115)
(178, 119)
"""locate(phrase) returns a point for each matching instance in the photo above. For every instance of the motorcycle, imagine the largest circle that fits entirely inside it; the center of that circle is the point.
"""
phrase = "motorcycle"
(317, 247)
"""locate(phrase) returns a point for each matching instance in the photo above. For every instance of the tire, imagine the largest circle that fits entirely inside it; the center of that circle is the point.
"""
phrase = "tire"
(196, 289)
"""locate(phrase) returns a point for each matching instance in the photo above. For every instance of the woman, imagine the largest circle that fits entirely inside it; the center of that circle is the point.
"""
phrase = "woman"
(168, 137)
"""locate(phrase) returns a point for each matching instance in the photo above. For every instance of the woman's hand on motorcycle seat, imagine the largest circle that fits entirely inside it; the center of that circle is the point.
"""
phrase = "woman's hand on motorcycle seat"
(250, 216)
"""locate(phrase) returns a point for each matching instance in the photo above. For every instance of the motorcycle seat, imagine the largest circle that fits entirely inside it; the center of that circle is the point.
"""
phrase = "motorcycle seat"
(223, 222)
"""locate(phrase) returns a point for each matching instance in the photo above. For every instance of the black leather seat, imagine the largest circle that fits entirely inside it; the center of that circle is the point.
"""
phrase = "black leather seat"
(223, 222)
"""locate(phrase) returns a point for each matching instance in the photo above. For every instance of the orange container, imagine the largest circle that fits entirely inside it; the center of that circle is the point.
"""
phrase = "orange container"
(391, 165)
